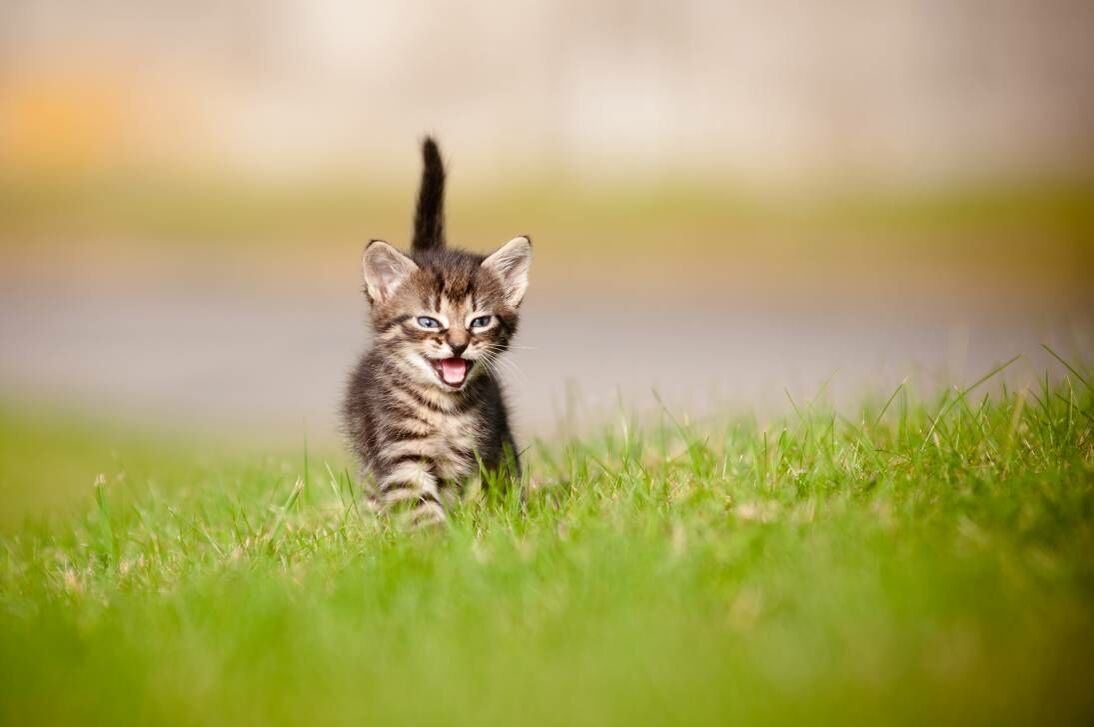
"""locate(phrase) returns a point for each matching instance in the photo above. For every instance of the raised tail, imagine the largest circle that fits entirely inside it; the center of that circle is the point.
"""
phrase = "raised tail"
(429, 216)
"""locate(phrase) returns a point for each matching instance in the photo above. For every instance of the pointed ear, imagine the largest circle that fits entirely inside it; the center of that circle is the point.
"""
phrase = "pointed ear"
(385, 269)
(510, 263)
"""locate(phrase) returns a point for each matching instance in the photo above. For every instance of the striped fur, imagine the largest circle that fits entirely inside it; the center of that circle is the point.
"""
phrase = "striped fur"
(419, 438)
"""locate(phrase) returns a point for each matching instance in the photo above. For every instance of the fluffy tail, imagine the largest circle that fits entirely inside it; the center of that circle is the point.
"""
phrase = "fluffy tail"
(429, 217)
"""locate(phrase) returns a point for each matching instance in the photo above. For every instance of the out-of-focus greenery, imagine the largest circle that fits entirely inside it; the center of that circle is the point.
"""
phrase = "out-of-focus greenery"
(192, 209)
(1003, 242)
(919, 562)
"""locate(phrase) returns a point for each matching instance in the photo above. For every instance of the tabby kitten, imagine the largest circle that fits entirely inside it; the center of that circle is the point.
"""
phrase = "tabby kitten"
(424, 406)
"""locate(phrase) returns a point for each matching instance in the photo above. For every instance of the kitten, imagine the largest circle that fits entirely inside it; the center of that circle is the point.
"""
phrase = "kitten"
(424, 406)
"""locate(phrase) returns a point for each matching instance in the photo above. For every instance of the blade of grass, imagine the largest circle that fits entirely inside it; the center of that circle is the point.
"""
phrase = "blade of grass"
(960, 395)
(1068, 366)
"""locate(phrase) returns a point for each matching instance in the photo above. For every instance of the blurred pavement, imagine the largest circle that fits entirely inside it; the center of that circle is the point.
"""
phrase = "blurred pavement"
(258, 365)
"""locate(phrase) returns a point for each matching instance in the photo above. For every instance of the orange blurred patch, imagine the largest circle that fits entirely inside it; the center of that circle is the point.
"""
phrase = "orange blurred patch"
(65, 122)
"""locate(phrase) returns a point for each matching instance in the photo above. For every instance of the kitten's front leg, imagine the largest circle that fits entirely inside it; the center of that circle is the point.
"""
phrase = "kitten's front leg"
(411, 485)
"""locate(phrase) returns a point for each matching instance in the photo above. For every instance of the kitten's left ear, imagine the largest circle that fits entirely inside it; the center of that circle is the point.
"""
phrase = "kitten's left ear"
(510, 263)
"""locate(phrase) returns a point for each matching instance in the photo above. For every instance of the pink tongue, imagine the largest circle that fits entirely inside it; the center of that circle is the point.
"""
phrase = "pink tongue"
(453, 370)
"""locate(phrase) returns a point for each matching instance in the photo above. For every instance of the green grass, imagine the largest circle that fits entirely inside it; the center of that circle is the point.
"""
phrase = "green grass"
(920, 561)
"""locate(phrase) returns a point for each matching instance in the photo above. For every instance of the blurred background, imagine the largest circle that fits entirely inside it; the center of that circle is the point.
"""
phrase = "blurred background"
(731, 201)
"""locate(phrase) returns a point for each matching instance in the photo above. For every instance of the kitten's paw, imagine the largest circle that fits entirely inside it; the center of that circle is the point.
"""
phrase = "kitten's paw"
(427, 515)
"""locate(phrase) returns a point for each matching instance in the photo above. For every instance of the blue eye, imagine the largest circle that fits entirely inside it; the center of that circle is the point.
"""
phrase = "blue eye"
(481, 322)
(427, 322)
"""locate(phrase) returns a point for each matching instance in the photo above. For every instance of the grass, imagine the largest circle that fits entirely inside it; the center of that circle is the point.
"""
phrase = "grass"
(922, 560)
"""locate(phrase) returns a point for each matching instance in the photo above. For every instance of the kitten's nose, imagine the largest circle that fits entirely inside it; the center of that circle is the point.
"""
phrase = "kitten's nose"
(457, 348)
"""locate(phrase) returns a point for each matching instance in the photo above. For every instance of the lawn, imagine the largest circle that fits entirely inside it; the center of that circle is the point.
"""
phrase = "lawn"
(923, 559)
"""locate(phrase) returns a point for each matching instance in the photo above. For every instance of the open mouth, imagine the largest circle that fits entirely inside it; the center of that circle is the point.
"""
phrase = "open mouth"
(452, 371)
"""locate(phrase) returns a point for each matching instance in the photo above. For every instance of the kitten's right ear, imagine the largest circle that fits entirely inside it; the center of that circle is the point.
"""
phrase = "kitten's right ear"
(385, 269)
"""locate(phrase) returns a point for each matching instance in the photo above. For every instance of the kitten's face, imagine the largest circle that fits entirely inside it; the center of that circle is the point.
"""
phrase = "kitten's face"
(447, 315)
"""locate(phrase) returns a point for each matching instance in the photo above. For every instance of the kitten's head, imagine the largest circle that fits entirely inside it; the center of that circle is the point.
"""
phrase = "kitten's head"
(445, 315)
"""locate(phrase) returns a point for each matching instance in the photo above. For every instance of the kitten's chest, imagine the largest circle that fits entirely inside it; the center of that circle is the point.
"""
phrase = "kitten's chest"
(448, 439)
(454, 443)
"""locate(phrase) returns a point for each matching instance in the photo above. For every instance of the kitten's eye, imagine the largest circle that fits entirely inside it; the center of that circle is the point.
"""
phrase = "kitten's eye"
(427, 322)
(481, 322)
